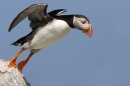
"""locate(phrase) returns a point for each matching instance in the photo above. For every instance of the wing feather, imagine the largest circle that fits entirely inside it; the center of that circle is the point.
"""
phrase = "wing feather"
(57, 12)
(22, 15)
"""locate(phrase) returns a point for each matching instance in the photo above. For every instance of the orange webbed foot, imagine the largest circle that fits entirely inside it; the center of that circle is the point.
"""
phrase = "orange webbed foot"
(23, 63)
(13, 60)
(12, 64)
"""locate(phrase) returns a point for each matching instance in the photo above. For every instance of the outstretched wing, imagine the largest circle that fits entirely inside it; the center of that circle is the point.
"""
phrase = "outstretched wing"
(28, 11)
(57, 12)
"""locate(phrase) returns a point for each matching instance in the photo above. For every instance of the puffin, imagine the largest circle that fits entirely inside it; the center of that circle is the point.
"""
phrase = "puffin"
(47, 28)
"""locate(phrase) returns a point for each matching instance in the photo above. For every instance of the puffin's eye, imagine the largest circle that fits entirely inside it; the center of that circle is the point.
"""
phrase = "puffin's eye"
(83, 22)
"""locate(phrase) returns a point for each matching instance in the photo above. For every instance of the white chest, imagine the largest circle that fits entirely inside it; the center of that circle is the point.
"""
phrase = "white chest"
(49, 34)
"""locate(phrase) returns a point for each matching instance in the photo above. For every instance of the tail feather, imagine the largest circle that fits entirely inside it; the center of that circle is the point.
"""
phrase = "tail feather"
(16, 44)
(26, 38)
(19, 42)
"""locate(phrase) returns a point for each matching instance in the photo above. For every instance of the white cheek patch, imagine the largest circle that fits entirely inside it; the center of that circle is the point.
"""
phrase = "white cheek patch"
(77, 23)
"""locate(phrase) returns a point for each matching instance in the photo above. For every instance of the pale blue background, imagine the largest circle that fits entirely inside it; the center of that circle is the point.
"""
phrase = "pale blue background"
(75, 60)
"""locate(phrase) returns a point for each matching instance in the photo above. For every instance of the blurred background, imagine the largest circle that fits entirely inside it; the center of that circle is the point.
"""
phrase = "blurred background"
(75, 60)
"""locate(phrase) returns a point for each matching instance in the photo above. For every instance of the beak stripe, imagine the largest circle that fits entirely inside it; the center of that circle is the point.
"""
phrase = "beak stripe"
(88, 33)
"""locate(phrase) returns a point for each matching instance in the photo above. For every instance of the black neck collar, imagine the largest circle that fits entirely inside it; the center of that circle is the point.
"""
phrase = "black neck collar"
(67, 18)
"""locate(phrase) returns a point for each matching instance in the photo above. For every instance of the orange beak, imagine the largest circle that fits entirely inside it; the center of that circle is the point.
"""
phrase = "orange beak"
(90, 32)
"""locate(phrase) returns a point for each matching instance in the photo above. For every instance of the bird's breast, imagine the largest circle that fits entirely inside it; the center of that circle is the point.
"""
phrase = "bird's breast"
(49, 34)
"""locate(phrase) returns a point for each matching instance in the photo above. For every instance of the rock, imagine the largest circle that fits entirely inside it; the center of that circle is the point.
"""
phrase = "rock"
(11, 76)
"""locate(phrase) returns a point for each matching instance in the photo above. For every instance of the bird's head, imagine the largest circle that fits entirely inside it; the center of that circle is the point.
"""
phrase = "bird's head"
(82, 23)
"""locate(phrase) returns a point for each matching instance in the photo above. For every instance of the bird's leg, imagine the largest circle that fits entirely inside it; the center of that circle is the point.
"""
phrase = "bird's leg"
(24, 62)
(13, 60)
